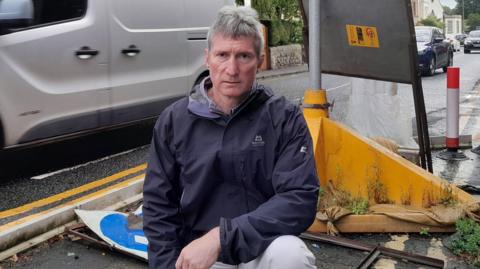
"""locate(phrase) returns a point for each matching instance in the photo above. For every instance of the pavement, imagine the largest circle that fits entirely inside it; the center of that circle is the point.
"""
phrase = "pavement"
(292, 70)
(327, 256)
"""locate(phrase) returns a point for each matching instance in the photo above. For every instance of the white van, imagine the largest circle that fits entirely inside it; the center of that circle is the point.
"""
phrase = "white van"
(69, 67)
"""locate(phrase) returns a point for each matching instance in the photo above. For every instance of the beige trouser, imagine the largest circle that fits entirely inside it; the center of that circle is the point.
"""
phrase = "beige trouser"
(285, 252)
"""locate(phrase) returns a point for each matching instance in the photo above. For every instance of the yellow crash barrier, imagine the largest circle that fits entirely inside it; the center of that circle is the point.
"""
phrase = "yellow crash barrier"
(402, 197)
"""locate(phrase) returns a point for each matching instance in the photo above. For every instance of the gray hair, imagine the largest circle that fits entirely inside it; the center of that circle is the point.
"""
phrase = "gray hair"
(234, 22)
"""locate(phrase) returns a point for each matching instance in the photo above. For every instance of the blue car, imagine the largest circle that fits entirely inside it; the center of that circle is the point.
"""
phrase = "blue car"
(433, 50)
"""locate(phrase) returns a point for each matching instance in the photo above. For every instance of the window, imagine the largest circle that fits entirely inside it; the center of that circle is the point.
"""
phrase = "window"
(449, 26)
(16, 15)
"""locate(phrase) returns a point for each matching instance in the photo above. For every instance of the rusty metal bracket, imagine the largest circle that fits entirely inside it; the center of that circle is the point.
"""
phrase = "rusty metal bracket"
(317, 106)
(372, 249)
(369, 259)
(80, 231)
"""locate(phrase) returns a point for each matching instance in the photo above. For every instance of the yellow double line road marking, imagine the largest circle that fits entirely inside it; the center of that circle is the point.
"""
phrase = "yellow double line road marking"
(72, 192)
(75, 201)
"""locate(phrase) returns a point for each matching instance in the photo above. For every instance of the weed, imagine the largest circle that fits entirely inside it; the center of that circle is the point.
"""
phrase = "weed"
(428, 199)
(358, 206)
(406, 198)
(337, 196)
(424, 231)
(467, 240)
(377, 191)
(447, 197)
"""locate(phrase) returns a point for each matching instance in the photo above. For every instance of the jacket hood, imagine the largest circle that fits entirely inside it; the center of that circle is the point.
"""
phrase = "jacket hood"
(200, 105)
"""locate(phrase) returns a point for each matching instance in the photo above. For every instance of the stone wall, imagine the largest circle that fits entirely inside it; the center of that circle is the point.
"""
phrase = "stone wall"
(284, 56)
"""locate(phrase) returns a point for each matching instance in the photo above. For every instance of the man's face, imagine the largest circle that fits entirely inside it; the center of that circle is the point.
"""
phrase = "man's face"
(233, 65)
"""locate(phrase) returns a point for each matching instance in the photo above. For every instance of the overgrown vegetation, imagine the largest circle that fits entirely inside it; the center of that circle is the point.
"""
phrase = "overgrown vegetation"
(336, 195)
(377, 191)
(446, 197)
(469, 8)
(284, 18)
(431, 21)
(466, 242)
(473, 21)
(406, 198)
(358, 206)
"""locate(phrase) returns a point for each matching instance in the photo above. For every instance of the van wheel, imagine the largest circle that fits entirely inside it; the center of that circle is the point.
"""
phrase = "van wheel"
(466, 51)
(450, 62)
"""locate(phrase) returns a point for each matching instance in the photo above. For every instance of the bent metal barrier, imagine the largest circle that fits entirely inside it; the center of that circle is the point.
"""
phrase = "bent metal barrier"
(365, 187)
(372, 39)
(414, 199)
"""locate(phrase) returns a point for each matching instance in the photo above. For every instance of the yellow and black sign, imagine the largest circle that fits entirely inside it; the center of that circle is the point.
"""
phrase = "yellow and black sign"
(362, 36)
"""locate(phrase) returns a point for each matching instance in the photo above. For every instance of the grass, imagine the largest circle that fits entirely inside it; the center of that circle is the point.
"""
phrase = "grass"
(466, 242)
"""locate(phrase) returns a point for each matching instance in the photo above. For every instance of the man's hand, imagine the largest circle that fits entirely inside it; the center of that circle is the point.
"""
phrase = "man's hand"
(201, 253)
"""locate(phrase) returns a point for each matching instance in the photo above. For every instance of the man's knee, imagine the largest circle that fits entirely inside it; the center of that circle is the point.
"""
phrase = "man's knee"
(289, 252)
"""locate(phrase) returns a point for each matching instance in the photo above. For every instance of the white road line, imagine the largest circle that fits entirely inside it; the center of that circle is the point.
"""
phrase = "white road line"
(81, 165)
(338, 87)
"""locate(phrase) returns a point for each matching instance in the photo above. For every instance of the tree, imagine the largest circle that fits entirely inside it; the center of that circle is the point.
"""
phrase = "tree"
(448, 10)
(473, 21)
(285, 17)
(431, 21)
(471, 6)
(304, 31)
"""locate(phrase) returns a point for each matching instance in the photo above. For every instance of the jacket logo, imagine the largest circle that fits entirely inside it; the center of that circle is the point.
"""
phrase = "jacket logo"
(303, 149)
(258, 141)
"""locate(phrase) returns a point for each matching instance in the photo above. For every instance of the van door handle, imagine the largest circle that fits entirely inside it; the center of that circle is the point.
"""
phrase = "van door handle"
(131, 51)
(85, 53)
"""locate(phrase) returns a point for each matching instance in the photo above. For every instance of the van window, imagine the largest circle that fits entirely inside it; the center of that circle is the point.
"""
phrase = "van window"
(17, 15)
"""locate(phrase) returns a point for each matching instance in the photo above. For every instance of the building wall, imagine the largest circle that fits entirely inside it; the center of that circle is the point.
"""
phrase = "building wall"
(453, 24)
(435, 8)
(421, 9)
(415, 11)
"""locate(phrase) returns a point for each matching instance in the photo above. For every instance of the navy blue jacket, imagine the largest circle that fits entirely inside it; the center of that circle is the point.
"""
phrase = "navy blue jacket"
(252, 174)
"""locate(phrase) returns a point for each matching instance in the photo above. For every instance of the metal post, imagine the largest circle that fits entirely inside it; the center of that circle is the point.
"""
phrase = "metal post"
(314, 61)
(463, 16)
